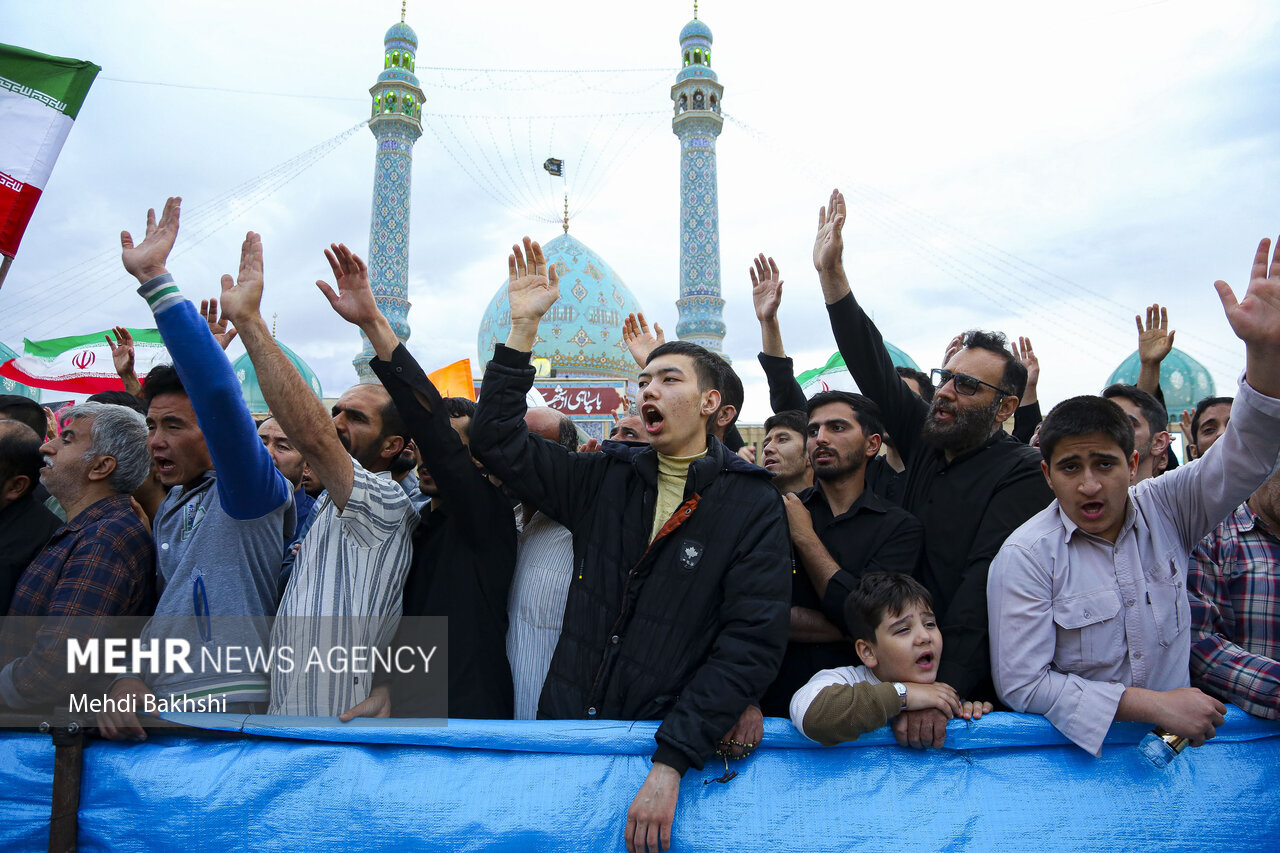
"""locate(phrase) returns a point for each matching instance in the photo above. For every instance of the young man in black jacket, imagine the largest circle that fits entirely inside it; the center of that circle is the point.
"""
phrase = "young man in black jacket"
(679, 603)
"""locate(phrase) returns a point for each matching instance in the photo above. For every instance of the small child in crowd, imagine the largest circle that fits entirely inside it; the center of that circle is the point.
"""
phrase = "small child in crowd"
(890, 618)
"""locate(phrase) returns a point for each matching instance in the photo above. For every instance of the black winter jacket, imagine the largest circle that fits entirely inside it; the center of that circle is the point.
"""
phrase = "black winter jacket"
(690, 629)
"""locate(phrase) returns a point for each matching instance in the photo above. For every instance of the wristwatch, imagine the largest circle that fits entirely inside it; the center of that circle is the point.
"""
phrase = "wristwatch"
(902, 694)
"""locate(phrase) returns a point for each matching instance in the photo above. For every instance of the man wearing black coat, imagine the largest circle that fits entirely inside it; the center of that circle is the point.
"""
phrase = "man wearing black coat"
(968, 482)
(679, 603)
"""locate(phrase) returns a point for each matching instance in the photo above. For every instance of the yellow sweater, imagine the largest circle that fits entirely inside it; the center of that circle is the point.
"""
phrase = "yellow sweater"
(672, 473)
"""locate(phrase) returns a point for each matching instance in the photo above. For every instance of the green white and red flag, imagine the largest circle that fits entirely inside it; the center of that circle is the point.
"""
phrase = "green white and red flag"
(40, 97)
(82, 364)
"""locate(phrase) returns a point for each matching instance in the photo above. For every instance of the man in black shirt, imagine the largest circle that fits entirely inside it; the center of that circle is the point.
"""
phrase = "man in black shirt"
(968, 482)
(840, 530)
(464, 551)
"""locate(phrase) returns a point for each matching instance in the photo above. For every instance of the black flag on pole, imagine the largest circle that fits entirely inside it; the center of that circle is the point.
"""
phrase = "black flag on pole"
(554, 166)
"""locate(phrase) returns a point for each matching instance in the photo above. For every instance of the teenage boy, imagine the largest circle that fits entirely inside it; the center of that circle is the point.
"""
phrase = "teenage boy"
(678, 604)
(1088, 605)
(896, 636)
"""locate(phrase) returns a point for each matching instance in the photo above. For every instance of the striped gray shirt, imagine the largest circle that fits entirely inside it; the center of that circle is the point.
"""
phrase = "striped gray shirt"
(345, 593)
(544, 568)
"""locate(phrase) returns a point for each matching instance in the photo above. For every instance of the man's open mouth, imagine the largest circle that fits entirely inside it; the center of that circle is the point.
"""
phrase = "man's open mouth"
(652, 418)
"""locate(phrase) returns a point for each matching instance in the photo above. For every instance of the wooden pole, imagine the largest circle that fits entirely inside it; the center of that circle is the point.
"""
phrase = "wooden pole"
(4, 268)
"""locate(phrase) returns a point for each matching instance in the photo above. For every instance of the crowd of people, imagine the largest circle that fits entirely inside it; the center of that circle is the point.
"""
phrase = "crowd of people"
(1074, 566)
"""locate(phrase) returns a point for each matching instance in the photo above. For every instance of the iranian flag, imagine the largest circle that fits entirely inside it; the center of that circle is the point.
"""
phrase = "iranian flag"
(40, 97)
(82, 364)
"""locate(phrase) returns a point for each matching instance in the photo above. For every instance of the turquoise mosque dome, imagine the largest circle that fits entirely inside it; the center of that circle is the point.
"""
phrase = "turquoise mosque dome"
(695, 29)
(10, 386)
(248, 379)
(402, 32)
(1183, 380)
(582, 333)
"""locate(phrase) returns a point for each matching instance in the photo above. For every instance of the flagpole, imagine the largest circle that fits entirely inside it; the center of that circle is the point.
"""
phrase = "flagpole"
(4, 268)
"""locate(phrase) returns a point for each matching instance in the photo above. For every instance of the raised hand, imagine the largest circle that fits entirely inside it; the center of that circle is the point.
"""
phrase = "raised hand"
(639, 340)
(353, 300)
(1184, 424)
(219, 326)
(766, 288)
(242, 299)
(121, 350)
(147, 260)
(1154, 339)
(1022, 349)
(1256, 320)
(532, 286)
(956, 344)
(828, 245)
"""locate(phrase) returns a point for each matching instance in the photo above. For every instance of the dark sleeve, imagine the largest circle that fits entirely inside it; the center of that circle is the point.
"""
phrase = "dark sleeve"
(744, 659)
(560, 483)
(899, 551)
(785, 393)
(966, 663)
(443, 453)
(864, 354)
(1025, 420)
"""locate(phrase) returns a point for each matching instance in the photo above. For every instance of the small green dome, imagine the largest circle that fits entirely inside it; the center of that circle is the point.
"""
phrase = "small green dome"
(9, 386)
(1183, 380)
(248, 378)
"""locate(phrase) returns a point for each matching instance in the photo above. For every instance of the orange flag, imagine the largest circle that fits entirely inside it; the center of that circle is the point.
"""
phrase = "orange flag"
(454, 380)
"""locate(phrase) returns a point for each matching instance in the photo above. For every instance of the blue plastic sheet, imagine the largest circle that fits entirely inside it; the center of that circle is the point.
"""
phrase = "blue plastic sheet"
(1008, 781)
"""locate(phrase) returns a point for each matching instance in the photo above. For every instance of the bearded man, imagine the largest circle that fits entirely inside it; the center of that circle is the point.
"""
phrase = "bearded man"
(968, 482)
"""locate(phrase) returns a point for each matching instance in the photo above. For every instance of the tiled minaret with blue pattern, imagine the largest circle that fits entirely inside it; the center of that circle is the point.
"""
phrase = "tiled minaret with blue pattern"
(697, 123)
(396, 123)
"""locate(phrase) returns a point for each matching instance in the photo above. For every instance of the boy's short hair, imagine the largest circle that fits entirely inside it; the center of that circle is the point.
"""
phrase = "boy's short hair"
(15, 407)
(708, 366)
(865, 410)
(792, 419)
(161, 379)
(1155, 413)
(730, 388)
(922, 379)
(1086, 415)
(119, 398)
(877, 595)
(1200, 410)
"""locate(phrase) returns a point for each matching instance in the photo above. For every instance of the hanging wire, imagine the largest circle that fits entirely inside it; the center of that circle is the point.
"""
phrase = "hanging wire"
(969, 254)
(200, 221)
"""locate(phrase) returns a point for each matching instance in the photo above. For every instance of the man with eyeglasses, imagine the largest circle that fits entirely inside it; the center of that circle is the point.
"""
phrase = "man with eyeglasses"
(968, 482)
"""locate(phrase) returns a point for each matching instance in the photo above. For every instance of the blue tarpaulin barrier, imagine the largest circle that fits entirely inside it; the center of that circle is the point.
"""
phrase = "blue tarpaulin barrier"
(1005, 782)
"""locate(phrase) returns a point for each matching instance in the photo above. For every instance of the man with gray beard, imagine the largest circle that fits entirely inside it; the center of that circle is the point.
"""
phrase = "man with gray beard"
(968, 482)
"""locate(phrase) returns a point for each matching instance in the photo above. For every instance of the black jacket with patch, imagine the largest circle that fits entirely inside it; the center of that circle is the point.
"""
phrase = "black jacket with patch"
(690, 629)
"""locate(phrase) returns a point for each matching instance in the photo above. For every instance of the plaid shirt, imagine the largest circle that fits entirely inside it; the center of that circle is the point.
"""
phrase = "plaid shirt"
(99, 565)
(1235, 614)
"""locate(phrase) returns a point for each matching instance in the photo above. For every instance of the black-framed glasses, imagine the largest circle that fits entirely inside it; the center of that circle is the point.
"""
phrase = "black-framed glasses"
(965, 384)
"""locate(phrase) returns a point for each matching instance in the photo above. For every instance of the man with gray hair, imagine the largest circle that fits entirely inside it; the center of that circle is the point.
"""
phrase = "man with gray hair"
(98, 566)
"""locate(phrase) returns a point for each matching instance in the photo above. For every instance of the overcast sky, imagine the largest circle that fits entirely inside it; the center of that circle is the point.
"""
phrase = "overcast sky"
(1042, 170)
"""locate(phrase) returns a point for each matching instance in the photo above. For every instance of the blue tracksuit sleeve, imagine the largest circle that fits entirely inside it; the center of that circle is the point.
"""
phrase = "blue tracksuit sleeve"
(249, 486)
